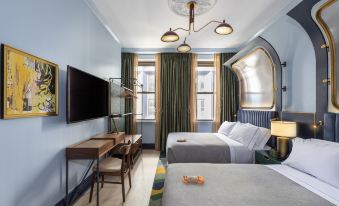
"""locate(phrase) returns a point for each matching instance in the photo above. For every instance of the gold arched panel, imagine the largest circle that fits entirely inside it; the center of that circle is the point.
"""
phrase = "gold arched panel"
(255, 72)
(328, 18)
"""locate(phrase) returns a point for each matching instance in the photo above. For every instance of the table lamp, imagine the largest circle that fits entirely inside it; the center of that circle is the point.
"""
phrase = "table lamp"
(283, 130)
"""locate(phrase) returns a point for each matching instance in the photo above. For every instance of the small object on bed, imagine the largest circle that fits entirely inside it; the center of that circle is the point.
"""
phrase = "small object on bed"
(199, 180)
(181, 140)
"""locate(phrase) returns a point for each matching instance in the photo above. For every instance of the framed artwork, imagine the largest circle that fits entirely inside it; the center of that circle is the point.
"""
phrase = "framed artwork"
(29, 85)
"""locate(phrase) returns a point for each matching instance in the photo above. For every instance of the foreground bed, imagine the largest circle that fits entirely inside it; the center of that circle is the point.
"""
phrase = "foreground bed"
(243, 185)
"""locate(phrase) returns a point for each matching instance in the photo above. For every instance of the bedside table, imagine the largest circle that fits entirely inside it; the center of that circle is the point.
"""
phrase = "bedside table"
(265, 157)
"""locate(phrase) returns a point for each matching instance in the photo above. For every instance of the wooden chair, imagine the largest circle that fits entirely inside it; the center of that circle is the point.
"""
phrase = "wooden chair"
(115, 167)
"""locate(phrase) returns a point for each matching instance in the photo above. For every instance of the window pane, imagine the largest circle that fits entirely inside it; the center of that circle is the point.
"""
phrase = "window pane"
(146, 76)
(205, 79)
(205, 106)
(146, 106)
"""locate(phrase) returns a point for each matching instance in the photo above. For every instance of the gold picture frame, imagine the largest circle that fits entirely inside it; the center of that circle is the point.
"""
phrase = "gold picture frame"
(29, 85)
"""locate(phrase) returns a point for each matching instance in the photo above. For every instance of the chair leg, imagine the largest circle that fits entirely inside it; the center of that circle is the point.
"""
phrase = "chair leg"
(102, 181)
(129, 178)
(123, 186)
(92, 186)
(132, 161)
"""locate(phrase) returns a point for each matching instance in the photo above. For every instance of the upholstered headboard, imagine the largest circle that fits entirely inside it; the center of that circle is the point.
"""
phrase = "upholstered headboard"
(331, 127)
(257, 118)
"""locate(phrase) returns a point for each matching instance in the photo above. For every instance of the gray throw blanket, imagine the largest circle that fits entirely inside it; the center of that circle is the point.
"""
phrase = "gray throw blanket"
(235, 185)
(198, 148)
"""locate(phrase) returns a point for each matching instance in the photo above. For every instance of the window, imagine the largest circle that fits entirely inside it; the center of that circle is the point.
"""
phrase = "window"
(146, 97)
(205, 90)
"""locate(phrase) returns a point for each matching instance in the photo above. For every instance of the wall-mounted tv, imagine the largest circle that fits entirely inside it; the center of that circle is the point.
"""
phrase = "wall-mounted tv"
(87, 96)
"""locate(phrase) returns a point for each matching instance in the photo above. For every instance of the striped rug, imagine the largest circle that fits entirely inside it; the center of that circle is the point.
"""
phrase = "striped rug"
(158, 184)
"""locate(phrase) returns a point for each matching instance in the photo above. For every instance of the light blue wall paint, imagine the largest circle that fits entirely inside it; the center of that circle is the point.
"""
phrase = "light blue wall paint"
(33, 149)
(148, 131)
(294, 46)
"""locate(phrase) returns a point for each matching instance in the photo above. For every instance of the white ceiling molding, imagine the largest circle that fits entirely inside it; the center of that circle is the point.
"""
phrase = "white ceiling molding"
(95, 11)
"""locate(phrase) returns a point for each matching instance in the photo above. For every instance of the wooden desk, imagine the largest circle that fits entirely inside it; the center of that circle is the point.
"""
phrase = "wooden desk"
(93, 149)
(117, 138)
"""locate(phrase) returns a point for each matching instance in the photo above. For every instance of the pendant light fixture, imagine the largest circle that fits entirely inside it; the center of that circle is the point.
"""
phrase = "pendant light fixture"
(170, 36)
(189, 7)
(223, 29)
(184, 48)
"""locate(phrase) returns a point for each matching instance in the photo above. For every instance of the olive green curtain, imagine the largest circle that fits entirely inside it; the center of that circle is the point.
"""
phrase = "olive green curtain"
(229, 90)
(129, 62)
(175, 94)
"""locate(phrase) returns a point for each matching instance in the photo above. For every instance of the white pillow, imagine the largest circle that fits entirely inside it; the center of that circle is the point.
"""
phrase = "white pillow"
(226, 127)
(261, 138)
(318, 158)
(243, 133)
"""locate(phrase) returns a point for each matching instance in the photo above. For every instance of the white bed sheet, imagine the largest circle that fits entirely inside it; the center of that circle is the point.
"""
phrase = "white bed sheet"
(240, 154)
(311, 183)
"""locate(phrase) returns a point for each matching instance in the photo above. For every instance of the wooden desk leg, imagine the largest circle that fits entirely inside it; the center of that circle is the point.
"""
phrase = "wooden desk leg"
(66, 198)
(97, 181)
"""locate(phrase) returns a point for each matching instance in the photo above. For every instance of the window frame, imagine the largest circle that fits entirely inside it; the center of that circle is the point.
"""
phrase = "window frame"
(140, 116)
(207, 63)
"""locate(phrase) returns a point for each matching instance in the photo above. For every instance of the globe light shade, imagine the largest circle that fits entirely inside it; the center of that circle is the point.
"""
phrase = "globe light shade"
(184, 48)
(170, 36)
(223, 29)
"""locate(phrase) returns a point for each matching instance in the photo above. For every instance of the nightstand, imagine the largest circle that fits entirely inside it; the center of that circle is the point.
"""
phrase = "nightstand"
(266, 157)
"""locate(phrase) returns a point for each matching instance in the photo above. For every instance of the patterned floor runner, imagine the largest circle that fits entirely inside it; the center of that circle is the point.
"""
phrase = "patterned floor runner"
(158, 184)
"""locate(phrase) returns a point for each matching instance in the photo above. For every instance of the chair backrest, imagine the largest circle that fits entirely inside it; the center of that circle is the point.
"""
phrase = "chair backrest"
(124, 148)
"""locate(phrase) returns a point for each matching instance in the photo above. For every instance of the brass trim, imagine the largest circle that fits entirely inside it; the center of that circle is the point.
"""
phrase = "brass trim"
(332, 50)
(273, 77)
(282, 147)
(324, 46)
(326, 81)
(146, 63)
(205, 63)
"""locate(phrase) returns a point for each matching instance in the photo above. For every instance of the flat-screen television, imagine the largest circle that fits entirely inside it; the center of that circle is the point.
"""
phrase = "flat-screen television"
(87, 96)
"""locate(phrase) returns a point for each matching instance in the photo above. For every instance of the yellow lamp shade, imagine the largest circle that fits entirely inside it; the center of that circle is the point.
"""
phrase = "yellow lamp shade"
(284, 129)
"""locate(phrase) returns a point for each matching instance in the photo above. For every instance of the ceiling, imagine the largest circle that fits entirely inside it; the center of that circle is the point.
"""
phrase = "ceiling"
(140, 23)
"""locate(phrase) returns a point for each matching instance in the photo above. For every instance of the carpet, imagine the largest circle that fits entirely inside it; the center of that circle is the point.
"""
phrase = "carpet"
(158, 184)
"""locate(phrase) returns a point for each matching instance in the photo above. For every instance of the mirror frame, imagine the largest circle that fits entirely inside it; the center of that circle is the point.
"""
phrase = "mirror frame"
(332, 50)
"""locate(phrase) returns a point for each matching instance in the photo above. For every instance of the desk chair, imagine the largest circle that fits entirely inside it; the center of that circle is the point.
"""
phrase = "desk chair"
(115, 167)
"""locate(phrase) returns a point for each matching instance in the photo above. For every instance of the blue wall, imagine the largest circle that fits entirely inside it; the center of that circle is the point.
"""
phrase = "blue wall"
(295, 47)
(32, 150)
(148, 131)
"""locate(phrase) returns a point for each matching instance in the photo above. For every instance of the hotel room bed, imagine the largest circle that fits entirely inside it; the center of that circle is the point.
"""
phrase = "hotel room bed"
(217, 147)
(243, 185)
(308, 177)
(206, 148)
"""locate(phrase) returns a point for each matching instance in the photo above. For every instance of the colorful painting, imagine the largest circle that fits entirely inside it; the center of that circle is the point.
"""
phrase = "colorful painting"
(29, 85)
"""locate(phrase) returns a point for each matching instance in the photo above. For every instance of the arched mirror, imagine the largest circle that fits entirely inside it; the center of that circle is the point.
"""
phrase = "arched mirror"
(255, 72)
(328, 18)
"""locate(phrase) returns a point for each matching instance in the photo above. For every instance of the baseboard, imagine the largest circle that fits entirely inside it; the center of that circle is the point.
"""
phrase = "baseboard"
(73, 195)
(148, 146)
